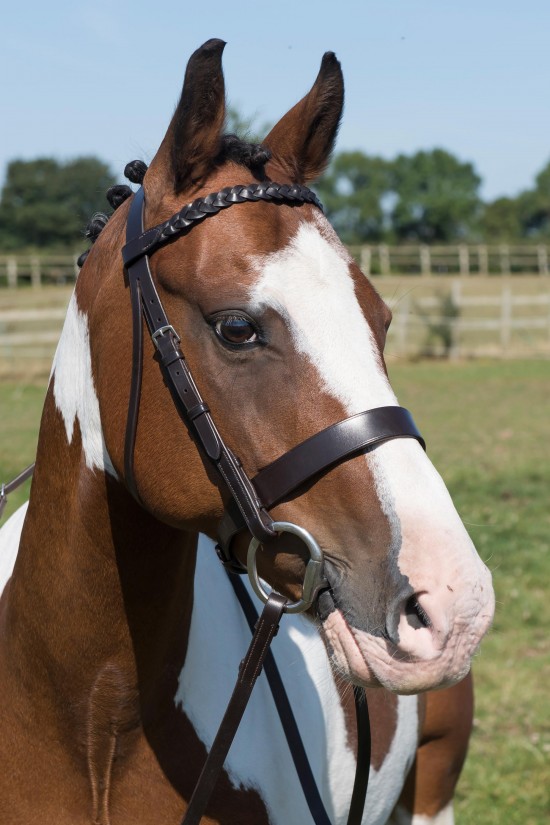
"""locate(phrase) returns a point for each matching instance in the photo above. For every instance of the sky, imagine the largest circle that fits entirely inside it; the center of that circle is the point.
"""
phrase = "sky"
(103, 77)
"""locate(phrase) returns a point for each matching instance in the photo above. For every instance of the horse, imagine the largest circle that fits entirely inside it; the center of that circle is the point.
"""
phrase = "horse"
(119, 630)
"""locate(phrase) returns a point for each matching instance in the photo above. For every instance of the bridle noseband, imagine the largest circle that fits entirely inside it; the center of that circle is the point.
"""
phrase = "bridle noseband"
(250, 499)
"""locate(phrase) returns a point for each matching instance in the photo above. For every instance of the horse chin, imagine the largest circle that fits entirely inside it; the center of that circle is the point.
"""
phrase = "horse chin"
(373, 661)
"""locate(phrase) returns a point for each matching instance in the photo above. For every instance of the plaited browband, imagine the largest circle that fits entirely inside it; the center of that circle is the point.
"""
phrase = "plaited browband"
(147, 242)
(250, 500)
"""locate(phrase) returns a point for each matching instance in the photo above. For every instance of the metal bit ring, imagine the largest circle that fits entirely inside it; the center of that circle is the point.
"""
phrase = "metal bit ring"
(313, 578)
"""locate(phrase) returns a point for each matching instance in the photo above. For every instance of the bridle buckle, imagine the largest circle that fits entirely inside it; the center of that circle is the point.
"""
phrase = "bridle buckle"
(162, 331)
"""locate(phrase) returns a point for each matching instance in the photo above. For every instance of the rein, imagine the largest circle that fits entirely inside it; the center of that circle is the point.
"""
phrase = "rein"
(6, 489)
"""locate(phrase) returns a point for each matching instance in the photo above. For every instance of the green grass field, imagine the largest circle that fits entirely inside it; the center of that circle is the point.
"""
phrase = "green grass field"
(488, 432)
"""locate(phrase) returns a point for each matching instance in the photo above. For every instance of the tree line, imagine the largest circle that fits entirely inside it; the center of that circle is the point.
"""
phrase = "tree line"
(427, 197)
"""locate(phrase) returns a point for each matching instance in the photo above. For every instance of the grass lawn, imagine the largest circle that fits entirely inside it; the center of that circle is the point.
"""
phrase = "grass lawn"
(488, 432)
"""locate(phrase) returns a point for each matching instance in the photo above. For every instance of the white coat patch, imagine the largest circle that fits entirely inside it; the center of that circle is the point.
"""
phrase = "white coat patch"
(259, 757)
(74, 391)
(9, 543)
(443, 817)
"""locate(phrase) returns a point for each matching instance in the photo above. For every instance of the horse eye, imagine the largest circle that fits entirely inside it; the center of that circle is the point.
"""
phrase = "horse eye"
(236, 329)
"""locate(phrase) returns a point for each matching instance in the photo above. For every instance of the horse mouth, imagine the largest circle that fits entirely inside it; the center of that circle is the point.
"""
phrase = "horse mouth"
(344, 654)
(371, 660)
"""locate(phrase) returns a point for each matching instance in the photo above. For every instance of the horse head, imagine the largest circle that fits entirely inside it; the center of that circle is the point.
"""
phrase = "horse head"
(284, 336)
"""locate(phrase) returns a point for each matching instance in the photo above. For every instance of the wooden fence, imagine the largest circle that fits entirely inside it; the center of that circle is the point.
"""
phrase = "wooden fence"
(38, 270)
(452, 317)
(469, 320)
(453, 260)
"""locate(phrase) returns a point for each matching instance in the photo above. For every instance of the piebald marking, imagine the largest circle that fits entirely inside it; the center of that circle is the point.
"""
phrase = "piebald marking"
(259, 757)
(443, 817)
(74, 391)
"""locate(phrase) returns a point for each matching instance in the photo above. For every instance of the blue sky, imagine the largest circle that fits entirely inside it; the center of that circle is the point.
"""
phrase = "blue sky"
(103, 77)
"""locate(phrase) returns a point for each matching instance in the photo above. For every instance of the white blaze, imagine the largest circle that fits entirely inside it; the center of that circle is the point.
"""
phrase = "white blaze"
(309, 283)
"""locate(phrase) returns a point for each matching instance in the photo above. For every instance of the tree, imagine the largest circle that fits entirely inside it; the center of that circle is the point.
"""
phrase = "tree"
(437, 197)
(356, 191)
(47, 203)
(534, 207)
(501, 220)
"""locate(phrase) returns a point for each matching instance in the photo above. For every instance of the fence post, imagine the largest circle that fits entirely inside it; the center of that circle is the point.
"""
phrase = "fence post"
(483, 260)
(464, 259)
(504, 251)
(505, 319)
(35, 272)
(425, 260)
(12, 271)
(365, 259)
(384, 253)
(542, 257)
(403, 323)
(456, 297)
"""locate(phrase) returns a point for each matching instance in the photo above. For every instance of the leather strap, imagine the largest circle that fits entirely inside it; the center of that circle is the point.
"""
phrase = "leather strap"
(6, 489)
(292, 733)
(184, 392)
(325, 449)
(249, 670)
(250, 501)
(135, 387)
(362, 770)
(286, 716)
(315, 456)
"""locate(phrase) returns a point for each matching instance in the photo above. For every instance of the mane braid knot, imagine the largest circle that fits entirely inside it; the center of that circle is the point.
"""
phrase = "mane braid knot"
(252, 155)
(95, 225)
(117, 194)
(135, 171)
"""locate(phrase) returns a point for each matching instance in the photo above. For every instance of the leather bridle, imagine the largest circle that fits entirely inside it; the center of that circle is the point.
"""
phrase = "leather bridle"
(250, 499)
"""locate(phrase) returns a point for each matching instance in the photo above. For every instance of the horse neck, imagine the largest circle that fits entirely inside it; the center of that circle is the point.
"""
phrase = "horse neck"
(100, 588)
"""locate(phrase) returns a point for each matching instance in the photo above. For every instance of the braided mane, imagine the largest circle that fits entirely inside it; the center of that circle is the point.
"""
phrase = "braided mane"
(232, 149)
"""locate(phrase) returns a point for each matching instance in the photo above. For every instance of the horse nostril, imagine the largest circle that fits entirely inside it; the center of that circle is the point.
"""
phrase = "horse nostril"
(416, 615)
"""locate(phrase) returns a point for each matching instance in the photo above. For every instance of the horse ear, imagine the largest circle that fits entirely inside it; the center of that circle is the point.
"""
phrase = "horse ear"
(193, 138)
(302, 141)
